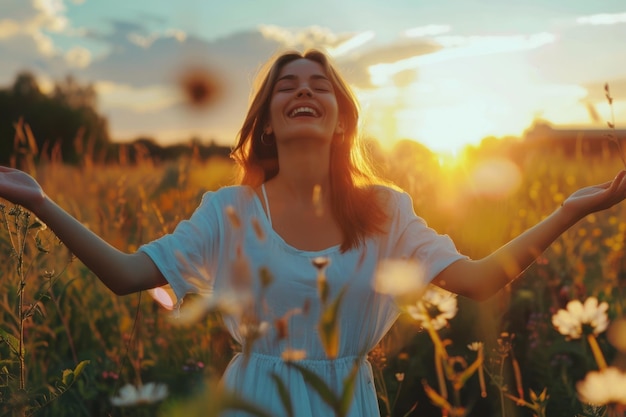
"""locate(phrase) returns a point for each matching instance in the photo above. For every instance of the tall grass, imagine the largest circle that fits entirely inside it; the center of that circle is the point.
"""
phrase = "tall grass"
(67, 345)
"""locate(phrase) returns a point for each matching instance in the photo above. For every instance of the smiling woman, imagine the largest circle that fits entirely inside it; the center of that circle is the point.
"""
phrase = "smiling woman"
(290, 255)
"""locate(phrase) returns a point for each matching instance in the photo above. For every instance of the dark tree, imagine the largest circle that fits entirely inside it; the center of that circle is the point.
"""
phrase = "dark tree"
(65, 120)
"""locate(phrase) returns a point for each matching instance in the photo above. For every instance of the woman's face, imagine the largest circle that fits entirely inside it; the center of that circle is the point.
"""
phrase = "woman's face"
(303, 104)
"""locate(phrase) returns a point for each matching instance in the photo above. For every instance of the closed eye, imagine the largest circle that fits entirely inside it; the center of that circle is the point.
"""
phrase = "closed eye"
(322, 85)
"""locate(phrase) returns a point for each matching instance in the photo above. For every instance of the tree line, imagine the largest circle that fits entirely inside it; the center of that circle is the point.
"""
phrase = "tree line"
(65, 124)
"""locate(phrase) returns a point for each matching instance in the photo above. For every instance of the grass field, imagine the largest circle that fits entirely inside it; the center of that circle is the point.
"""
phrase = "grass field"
(68, 345)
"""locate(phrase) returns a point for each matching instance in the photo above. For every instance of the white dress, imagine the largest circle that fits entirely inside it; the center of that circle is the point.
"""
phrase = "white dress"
(205, 246)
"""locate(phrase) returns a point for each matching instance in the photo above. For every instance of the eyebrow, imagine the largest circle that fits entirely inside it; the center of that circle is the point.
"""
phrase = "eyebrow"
(294, 77)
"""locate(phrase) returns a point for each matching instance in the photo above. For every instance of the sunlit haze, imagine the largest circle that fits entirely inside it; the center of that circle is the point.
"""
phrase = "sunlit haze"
(445, 74)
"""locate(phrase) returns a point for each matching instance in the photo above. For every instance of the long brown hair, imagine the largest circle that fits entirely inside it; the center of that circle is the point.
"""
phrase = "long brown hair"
(355, 204)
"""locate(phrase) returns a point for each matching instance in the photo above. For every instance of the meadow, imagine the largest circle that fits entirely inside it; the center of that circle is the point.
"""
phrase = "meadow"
(69, 346)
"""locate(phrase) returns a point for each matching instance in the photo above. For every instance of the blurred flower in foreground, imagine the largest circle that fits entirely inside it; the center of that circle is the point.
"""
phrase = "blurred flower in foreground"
(293, 355)
(200, 86)
(603, 387)
(163, 297)
(131, 395)
(198, 308)
(435, 308)
(578, 318)
(253, 330)
(398, 277)
(616, 334)
(475, 346)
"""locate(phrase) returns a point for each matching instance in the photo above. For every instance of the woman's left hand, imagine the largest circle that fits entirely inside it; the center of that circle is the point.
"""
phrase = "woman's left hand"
(597, 197)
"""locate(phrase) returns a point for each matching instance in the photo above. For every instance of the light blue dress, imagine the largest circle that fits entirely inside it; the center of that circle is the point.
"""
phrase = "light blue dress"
(207, 245)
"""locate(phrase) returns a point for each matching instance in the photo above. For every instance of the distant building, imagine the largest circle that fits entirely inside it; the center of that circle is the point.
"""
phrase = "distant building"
(574, 142)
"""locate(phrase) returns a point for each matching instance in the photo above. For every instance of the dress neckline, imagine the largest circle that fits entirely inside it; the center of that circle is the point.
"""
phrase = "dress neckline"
(267, 219)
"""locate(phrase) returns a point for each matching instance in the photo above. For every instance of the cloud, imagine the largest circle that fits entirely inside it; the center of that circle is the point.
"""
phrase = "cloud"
(78, 57)
(8, 28)
(138, 82)
(25, 38)
(356, 65)
(445, 48)
(139, 100)
(300, 39)
(428, 30)
(602, 19)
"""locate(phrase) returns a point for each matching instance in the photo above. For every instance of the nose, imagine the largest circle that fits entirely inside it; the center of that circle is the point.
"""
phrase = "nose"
(304, 91)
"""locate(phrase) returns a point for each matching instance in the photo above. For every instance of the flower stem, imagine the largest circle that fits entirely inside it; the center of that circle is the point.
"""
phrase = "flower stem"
(597, 352)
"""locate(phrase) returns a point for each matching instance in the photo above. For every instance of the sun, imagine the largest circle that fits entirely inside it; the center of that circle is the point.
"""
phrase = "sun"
(448, 107)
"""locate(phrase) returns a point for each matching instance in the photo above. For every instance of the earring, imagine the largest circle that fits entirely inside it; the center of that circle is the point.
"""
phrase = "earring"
(264, 140)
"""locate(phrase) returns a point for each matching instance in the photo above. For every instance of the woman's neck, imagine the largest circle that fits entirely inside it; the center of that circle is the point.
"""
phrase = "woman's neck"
(302, 170)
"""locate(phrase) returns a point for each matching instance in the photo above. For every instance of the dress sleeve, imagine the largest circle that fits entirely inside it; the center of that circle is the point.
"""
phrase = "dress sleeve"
(187, 256)
(413, 239)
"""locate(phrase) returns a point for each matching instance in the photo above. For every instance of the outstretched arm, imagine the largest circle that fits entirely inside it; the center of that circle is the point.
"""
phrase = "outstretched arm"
(123, 273)
(480, 279)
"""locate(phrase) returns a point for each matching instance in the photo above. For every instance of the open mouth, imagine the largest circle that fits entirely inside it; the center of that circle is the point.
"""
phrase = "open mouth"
(303, 111)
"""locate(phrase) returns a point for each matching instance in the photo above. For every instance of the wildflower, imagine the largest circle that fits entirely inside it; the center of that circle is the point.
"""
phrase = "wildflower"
(293, 355)
(603, 387)
(131, 395)
(591, 315)
(616, 334)
(197, 308)
(436, 307)
(193, 366)
(398, 277)
(258, 230)
(40, 224)
(321, 263)
(110, 375)
(377, 357)
(253, 330)
(475, 346)
(317, 200)
(233, 217)
(266, 277)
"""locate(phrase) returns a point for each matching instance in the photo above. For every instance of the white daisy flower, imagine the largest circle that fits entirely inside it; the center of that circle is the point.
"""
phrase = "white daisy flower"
(435, 308)
(603, 387)
(131, 395)
(570, 321)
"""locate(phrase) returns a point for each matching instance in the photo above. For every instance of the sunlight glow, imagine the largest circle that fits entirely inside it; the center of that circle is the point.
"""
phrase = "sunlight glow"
(496, 178)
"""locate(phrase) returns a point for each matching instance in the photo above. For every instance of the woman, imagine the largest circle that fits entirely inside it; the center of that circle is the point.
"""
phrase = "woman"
(307, 224)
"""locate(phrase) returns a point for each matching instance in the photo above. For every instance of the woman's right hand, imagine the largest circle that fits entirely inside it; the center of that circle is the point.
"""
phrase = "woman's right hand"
(20, 188)
(123, 273)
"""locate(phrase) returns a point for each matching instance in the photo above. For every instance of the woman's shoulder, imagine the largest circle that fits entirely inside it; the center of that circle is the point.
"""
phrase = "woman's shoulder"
(389, 195)
(233, 195)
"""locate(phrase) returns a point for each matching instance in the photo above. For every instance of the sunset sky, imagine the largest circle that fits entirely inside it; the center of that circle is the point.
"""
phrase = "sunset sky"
(445, 73)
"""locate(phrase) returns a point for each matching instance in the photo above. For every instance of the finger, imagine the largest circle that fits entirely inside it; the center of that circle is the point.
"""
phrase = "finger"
(619, 182)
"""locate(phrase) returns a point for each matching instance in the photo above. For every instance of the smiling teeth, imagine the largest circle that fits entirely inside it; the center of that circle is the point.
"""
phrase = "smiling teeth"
(307, 110)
